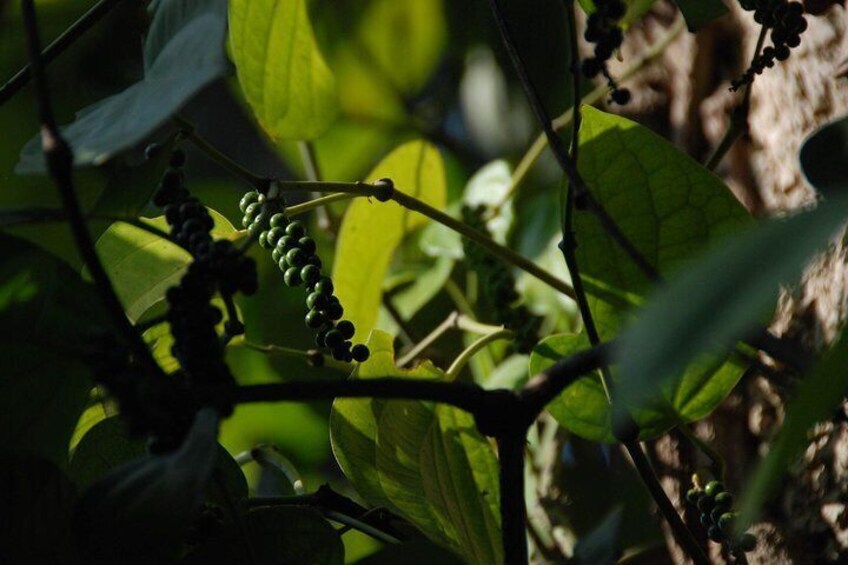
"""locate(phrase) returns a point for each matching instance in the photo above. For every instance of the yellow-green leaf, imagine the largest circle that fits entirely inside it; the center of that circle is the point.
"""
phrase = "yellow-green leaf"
(142, 265)
(280, 68)
(425, 462)
(371, 230)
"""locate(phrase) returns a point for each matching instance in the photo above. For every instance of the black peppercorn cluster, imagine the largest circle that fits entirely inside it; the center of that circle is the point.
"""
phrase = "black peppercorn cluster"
(787, 23)
(716, 507)
(294, 252)
(217, 267)
(498, 286)
(603, 29)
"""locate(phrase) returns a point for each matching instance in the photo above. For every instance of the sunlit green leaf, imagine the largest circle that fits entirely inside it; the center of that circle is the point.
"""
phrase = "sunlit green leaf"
(670, 207)
(427, 463)
(142, 265)
(185, 52)
(47, 316)
(280, 68)
(371, 230)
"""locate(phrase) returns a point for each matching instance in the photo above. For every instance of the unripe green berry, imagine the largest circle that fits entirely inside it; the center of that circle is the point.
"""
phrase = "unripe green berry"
(253, 210)
(286, 243)
(263, 240)
(360, 353)
(279, 220)
(255, 230)
(292, 276)
(274, 235)
(713, 488)
(310, 274)
(307, 244)
(296, 229)
(324, 286)
(276, 255)
(248, 199)
(347, 328)
(314, 319)
(296, 257)
(315, 299)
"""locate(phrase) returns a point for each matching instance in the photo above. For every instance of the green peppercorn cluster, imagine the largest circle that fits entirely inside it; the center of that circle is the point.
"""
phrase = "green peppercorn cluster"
(716, 507)
(294, 252)
(604, 30)
(218, 267)
(787, 23)
(498, 286)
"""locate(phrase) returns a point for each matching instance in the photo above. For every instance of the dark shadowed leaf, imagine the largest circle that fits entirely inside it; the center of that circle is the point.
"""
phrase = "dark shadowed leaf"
(47, 316)
(700, 12)
(37, 503)
(184, 52)
(602, 546)
(105, 447)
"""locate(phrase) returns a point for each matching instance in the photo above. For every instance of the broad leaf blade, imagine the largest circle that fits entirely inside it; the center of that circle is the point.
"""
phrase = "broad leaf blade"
(105, 447)
(718, 299)
(142, 265)
(670, 207)
(823, 157)
(280, 68)
(426, 462)
(372, 230)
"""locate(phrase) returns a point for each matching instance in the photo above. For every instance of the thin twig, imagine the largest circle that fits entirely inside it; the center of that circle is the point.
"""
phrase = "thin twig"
(57, 47)
(469, 352)
(317, 203)
(309, 356)
(59, 158)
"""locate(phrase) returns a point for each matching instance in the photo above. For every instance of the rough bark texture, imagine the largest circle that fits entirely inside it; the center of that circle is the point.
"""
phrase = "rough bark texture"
(686, 97)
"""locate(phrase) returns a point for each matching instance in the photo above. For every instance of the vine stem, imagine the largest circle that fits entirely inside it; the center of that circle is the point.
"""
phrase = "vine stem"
(738, 116)
(57, 47)
(513, 506)
(60, 161)
(310, 205)
(455, 320)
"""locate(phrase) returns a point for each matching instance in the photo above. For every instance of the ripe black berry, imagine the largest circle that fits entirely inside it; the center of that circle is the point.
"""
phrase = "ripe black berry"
(333, 339)
(360, 353)
(314, 319)
(346, 328)
(621, 96)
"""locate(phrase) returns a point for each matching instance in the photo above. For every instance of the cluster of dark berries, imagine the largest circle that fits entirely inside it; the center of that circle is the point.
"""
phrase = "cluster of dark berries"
(787, 23)
(603, 29)
(497, 286)
(717, 516)
(217, 267)
(294, 252)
